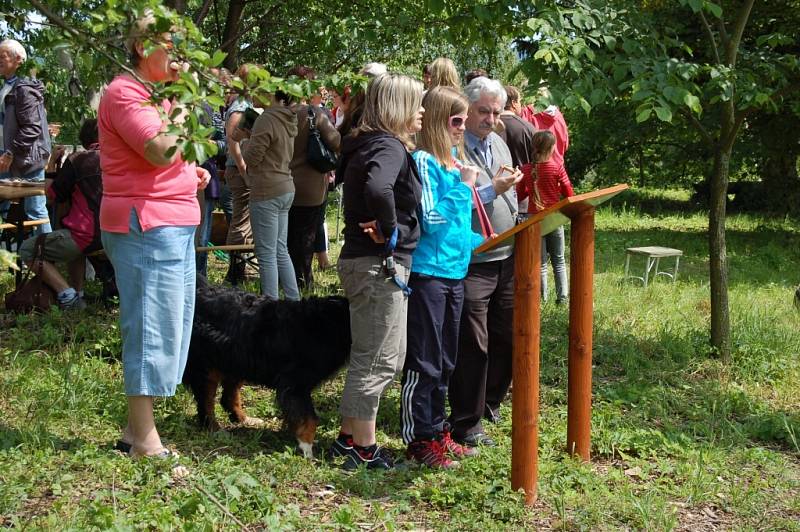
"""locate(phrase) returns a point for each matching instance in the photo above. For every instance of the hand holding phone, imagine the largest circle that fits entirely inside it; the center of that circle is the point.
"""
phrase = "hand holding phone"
(505, 178)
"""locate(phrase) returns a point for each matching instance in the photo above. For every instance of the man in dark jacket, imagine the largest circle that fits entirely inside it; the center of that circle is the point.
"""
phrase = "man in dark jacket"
(25, 140)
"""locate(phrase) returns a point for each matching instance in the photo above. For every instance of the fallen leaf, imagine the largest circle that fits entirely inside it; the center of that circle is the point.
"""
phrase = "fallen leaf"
(634, 472)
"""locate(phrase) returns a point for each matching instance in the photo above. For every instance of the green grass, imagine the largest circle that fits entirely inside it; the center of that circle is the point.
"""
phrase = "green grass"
(679, 439)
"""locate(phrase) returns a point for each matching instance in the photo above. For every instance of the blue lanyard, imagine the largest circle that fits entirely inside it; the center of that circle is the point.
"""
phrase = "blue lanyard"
(388, 263)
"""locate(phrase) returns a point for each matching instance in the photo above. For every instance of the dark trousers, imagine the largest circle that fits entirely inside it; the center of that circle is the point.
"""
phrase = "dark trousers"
(434, 308)
(321, 239)
(483, 371)
(302, 232)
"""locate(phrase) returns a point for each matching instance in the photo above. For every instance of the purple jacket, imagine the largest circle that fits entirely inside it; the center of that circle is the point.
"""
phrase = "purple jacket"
(25, 127)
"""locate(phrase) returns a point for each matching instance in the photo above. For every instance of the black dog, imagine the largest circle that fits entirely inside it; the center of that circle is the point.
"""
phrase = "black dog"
(290, 346)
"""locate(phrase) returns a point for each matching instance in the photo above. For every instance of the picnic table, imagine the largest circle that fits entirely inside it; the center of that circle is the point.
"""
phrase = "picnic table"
(652, 255)
(14, 194)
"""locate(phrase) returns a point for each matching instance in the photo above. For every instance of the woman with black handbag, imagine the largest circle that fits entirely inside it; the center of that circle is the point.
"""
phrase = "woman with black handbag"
(316, 135)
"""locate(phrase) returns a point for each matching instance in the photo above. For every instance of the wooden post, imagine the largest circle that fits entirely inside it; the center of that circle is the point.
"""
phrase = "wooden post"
(579, 398)
(525, 394)
(527, 287)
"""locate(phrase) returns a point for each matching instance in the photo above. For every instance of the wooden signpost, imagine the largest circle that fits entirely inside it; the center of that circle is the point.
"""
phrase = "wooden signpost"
(579, 210)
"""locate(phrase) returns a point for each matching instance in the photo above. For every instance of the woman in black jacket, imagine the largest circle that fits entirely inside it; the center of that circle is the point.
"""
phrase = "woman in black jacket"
(381, 193)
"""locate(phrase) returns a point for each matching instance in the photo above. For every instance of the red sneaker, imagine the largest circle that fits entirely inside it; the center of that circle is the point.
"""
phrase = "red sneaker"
(430, 453)
(456, 449)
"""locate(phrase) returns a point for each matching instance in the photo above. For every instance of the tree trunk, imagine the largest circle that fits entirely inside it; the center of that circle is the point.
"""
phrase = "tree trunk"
(720, 316)
(641, 166)
(230, 37)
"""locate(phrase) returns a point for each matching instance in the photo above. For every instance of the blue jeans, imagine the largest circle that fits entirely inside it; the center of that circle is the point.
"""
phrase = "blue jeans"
(203, 235)
(269, 220)
(553, 245)
(156, 280)
(35, 206)
(206, 224)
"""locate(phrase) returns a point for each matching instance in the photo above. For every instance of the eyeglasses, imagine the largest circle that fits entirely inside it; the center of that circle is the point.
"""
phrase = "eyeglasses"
(456, 121)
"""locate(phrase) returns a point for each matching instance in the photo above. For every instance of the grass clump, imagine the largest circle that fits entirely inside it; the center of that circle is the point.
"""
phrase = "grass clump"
(679, 439)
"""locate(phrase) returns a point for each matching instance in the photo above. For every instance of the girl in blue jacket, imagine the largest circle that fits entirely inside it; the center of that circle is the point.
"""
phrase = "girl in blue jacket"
(438, 268)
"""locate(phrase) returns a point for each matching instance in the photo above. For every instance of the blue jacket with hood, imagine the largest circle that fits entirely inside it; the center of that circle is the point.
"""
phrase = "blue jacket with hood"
(445, 246)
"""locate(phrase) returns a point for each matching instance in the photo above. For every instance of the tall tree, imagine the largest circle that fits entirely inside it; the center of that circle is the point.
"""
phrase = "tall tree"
(693, 64)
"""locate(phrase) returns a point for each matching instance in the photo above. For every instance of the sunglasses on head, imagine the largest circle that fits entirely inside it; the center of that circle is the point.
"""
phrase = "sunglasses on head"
(456, 121)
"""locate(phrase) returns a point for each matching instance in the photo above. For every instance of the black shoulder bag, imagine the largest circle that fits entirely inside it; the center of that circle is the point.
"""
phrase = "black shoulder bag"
(319, 156)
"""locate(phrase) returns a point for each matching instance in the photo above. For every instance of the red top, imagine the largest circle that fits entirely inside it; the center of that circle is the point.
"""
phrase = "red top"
(161, 195)
(79, 220)
(550, 183)
(552, 120)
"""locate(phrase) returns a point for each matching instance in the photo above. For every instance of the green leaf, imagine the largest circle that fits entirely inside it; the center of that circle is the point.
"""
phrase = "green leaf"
(170, 151)
(664, 114)
(644, 115)
(714, 9)
(218, 57)
(696, 5)
(199, 152)
(248, 481)
(585, 105)
(692, 102)
(435, 6)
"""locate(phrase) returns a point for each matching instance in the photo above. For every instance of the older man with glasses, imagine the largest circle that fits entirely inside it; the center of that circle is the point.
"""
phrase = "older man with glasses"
(24, 138)
(483, 367)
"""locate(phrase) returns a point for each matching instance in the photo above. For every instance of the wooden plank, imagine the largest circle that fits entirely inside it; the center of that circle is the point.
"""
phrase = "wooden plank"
(26, 223)
(10, 192)
(236, 247)
(557, 215)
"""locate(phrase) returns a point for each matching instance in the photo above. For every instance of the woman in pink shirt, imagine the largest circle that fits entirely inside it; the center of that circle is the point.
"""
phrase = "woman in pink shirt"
(148, 217)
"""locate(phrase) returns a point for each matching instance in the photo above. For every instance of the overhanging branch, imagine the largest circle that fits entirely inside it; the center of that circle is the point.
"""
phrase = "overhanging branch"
(710, 37)
(698, 126)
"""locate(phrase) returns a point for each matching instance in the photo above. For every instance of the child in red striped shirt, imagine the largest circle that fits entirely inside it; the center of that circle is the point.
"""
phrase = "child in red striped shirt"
(545, 182)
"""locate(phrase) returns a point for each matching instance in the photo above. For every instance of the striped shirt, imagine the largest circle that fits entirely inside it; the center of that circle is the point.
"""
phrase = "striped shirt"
(545, 186)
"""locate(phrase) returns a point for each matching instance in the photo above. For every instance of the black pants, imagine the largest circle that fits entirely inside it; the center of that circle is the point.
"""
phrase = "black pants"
(483, 371)
(434, 308)
(321, 239)
(302, 232)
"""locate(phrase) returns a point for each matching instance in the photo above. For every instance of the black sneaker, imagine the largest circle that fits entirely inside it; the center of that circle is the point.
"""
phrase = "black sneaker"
(342, 445)
(475, 440)
(373, 457)
(492, 416)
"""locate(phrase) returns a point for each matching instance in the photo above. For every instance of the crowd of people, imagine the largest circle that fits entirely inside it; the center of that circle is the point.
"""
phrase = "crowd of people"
(429, 170)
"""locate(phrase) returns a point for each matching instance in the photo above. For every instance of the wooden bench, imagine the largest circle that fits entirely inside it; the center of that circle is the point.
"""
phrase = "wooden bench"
(238, 253)
(26, 223)
(652, 255)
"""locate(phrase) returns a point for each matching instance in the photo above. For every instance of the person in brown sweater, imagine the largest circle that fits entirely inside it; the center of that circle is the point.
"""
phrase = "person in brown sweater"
(267, 155)
(311, 186)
